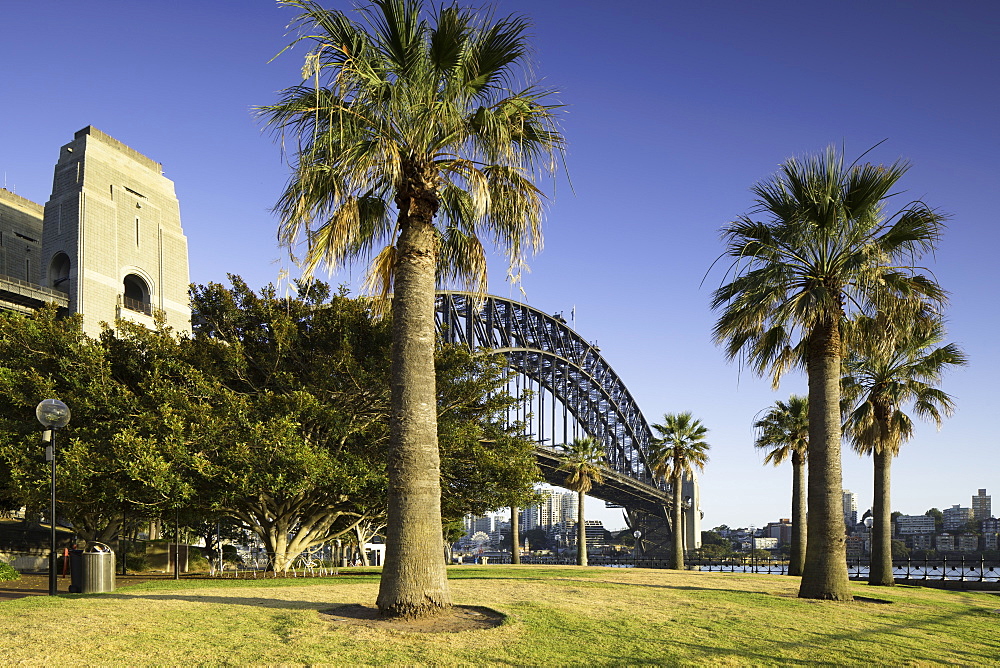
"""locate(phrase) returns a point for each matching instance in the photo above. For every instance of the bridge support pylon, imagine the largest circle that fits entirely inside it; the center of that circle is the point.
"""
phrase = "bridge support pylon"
(655, 532)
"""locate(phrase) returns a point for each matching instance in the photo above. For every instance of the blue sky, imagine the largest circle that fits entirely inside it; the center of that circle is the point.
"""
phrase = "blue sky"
(673, 111)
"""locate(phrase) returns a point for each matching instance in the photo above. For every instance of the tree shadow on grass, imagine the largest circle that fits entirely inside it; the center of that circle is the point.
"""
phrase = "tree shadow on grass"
(256, 602)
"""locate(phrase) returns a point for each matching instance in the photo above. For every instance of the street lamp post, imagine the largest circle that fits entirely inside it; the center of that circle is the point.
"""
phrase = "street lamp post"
(52, 414)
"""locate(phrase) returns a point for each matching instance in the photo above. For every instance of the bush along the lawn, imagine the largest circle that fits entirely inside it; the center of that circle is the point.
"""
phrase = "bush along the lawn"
(8, 573)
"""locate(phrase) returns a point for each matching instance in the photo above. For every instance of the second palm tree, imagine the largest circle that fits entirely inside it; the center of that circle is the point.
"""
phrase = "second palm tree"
(679, 450)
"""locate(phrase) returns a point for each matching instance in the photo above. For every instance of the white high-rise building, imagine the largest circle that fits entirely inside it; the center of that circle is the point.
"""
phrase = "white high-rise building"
(556, 508)
(850, 508)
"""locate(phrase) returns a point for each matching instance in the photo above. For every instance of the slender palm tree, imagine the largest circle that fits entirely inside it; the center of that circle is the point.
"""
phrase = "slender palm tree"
(411, 137)
(889, 366)
(674, 455)
(784, 433)
(582, 461)
(825, 249)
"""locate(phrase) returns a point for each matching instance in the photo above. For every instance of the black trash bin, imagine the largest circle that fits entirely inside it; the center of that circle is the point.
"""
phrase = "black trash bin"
(92, 570)
(76, 571)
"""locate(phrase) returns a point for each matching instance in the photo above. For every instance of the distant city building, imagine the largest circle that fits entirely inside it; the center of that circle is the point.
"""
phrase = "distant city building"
(920, 541)
(981, 506)
(855, 546)
(765, 543)
(956, 517)
(780, 531)
(850, 508)
(555, 508)
(908, 525)
(990, 541)
(967, 542)
(944, 542)
(991, 525)
(476, 523)
(594, 529)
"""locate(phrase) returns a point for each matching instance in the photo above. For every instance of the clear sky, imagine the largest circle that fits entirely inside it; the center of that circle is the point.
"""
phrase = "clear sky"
(673, 111)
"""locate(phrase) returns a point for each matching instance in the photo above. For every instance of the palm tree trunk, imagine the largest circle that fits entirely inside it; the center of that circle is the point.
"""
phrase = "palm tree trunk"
(825, 572)
(677, 528)
(414, 580)
(581, 539)
(797, 557)
(881, 573)
(515, 536)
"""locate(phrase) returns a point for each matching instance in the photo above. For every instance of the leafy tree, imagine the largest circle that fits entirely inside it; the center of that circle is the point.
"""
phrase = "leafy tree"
(486, 462)
(824, 250)
(899, 550)
(938, 519)
(305, 407)
(784, 431)
(134, 416)
(308, 409)
(416, 118)
(582, 461)
(538, 539)
(714, 546)
(892, 364)
(676, 452)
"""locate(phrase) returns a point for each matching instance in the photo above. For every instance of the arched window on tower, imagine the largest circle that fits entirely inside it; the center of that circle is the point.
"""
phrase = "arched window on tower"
(136, 296)
(59, 272)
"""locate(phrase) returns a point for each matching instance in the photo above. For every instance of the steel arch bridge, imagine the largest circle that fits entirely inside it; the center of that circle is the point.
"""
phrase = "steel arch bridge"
(574, 389)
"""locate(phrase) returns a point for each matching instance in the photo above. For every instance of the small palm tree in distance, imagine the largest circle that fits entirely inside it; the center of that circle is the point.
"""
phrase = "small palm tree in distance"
(676, 453)
(582, 461)
(784, 433)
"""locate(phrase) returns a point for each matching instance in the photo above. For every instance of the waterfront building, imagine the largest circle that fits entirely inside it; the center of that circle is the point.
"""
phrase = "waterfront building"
(956, 517)
(780, 531)
(908, 525)
(991, 541)
(920, 541)
(476, 523)
(855, 546)
(967, 542)
(850, 508)
(982, 506)
(556, 508)
(944, 542)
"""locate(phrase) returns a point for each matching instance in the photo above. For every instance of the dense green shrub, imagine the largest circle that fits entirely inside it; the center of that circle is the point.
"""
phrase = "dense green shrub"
(197, 560)
(7, 572)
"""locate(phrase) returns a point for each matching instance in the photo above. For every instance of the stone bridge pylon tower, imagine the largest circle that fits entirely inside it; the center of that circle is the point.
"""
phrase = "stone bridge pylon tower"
(112, 239)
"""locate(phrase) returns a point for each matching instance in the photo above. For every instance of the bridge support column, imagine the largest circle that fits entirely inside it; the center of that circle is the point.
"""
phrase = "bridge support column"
(656, 532)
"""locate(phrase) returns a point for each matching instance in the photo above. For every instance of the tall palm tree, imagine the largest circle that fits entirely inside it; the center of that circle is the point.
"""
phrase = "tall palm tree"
(675, 454)
(582, 461)
(890, 366)
(825, 249)
(411, 137)
(784, 433)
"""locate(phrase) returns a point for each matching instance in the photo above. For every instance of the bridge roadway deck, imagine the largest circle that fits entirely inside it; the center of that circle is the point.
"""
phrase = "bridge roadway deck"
(616, 488)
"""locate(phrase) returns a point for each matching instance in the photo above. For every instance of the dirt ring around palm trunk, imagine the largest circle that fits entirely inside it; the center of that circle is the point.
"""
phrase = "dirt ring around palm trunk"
(452, 620)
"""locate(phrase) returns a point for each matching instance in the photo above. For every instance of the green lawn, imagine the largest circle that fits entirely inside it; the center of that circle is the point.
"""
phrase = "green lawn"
(556, 616)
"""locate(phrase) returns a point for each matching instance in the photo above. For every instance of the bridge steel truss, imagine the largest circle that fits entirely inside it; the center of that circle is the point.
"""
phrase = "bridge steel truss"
(551, 355)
